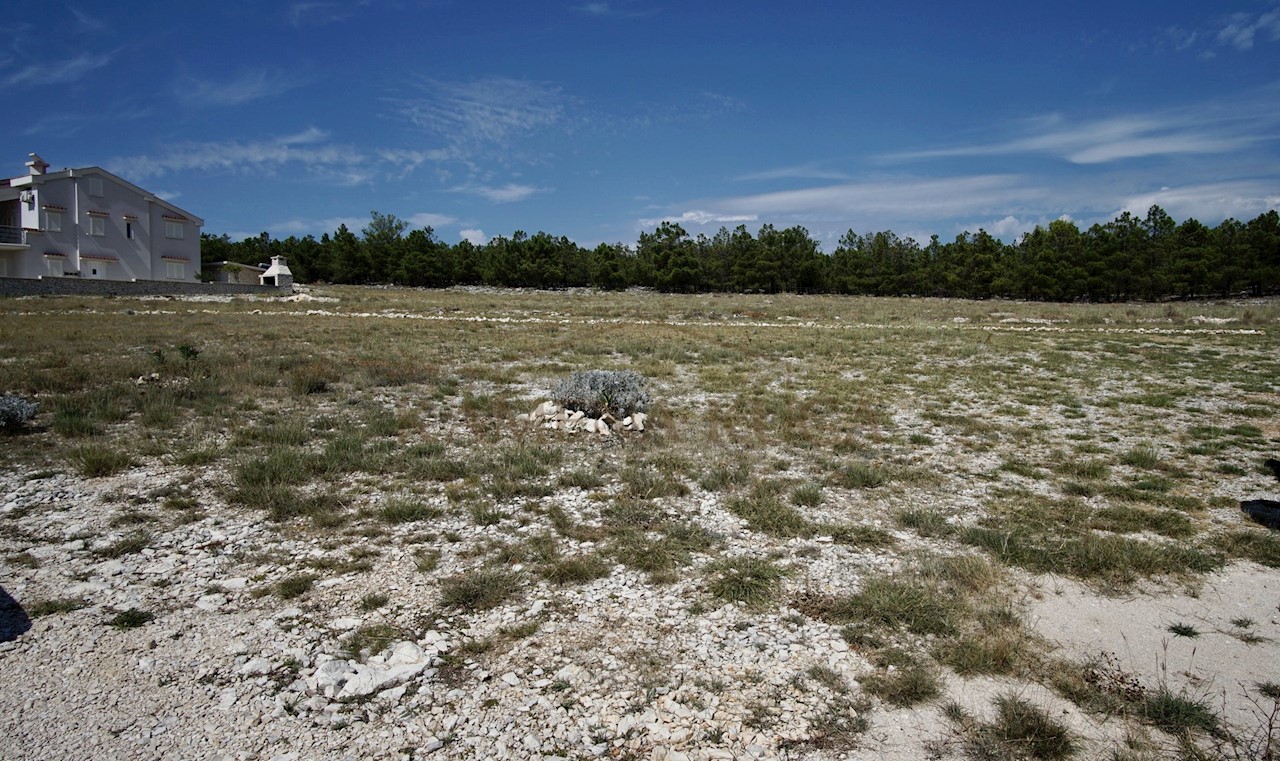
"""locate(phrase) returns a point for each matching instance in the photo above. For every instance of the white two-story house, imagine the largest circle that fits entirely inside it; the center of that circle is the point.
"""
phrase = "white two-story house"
(92, 224)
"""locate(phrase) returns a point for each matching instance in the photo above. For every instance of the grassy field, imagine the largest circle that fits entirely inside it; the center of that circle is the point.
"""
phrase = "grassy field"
(959, 448)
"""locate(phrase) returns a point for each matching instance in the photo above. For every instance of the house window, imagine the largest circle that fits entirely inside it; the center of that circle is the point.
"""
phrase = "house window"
(175, 270)
(97, 226)
(53, 221)
(95, 186)
(128, 230)
(172, 229)
(55, 266)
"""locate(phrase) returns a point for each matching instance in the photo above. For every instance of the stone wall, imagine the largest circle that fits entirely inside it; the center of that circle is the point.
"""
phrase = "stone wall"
(66, 286)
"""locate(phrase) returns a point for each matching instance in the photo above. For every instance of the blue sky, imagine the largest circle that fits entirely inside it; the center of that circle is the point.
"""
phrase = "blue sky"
(600, 119)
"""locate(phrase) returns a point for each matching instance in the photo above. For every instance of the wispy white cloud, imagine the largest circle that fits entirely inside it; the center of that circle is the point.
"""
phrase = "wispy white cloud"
(249, 85)
(85, 21)
(309, 149)
(1010, 228)
(1208, 128)
(477, 237)
(895, 198)
(321, 12)
(428, 219)
(1240, 30)
(800, 172)
(57, 72)
(618, 9)
(67, 124)
(509, 193)
(485, 115)
(1242, 199)
(404, 161)
(701, 219)
(313, 226)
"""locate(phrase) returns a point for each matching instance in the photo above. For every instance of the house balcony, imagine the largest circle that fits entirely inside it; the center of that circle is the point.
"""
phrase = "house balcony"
(12, 238)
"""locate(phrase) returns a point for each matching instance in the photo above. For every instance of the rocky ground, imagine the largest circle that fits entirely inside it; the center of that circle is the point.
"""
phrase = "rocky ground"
(224, 673)
(148, 615)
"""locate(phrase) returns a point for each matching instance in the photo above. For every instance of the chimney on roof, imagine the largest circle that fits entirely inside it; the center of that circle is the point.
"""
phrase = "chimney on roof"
(36, 165)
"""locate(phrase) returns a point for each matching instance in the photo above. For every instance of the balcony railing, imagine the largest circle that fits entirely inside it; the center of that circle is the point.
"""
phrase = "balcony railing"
(14, 236)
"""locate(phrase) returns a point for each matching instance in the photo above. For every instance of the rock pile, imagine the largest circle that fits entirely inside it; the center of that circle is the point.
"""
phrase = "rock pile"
(553, 417)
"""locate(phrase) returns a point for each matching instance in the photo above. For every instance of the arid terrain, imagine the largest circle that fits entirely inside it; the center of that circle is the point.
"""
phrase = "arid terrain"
(324, 527)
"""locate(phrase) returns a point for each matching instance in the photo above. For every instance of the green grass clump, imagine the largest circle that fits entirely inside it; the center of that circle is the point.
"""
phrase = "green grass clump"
(480, 589)
(1261, 547)
(293, 586)
(926, 522)
(807, 495)
(1141, 457)
(724, 474)
(898, 603)
(652, 483)
(280, 466)
(1088, 555)
(1020, 730)
(906, 685)
(764, 511)
(1093, 470)
(372, 639)
(857, 535)
(57, 606)
(575, 570)
(580, 478)
(373, 601)
(407, 510)
(99, 460)
(862, 475)
(1178, 714)
(131, 619)
(129, 545)
(751, 580)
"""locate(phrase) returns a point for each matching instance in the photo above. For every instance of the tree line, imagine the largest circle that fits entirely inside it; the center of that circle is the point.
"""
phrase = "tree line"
(1130, 257)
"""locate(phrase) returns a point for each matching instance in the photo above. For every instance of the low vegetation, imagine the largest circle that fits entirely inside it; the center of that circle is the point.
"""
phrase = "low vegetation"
(897, 472)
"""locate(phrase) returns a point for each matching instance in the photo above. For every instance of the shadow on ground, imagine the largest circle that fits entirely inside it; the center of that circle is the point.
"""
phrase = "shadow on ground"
(14, 621)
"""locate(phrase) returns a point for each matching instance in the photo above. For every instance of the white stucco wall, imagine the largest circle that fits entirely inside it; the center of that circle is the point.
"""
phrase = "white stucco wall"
(115, 255)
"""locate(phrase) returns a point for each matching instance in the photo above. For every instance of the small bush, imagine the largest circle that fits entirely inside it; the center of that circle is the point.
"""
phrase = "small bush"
(595, 392)
(15, 412)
